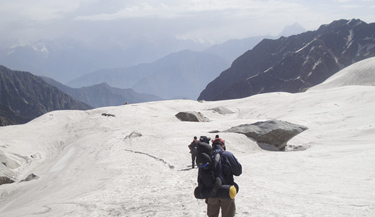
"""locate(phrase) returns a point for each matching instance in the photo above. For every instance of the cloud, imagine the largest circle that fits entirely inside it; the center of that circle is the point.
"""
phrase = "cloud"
(171, 9)
(134, 11)
(214, 21)
(208, 20)
(38, 10)
(350, 6)
(23, 20)
(343, 1)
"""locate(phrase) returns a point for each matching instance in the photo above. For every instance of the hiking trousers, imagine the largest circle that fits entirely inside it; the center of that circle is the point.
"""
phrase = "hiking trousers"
(228, 207)
(193, 156)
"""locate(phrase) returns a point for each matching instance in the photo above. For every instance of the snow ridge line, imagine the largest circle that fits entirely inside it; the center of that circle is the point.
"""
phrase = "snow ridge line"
(156, 158)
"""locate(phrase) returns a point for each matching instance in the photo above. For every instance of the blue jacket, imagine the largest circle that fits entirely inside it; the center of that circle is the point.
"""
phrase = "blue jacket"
(228, 166)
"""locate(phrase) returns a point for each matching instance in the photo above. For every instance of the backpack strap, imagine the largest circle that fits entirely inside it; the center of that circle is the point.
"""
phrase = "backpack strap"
(216, 159)
(217, 167)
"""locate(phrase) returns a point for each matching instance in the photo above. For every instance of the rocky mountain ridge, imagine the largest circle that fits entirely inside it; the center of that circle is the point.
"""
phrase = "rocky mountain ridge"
(24, 96)
(295, 63)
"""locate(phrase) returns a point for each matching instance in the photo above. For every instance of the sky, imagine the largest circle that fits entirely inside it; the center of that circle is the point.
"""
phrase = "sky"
(137, 162)
(206, 21)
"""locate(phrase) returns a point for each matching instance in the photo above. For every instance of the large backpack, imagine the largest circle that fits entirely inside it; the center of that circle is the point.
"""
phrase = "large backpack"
(209, 183)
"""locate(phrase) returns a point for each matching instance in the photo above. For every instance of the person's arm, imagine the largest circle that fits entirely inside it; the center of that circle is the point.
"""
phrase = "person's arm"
(234, 165)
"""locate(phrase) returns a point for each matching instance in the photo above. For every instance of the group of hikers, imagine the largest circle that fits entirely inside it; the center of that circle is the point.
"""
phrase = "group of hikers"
(216, 168)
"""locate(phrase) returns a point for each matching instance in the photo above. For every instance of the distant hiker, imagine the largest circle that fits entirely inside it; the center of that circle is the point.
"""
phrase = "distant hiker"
(215, 177)
(193, 150)
(219, 141)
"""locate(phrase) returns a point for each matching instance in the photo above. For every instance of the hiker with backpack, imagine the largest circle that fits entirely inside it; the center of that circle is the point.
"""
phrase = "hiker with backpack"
(193, 150)
(215, 177)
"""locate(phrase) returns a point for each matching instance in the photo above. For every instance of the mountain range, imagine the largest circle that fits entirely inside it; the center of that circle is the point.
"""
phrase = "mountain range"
(24, 96)
(290, 64)
(183, 74)
(294, 63)
(101, 95)
(188, 72)
(65, 59)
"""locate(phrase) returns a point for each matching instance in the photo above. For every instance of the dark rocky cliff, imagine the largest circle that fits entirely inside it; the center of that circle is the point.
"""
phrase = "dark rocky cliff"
(295, 63)
(24, 97)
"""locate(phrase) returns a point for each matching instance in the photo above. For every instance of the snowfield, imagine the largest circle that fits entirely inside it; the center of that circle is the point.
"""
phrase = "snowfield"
(133, 160)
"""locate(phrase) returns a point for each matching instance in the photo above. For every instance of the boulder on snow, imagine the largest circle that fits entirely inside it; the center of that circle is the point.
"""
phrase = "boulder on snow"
(5, 180)
(191, 116)
(108, 115)
(270, 135)
(222, 110)
(30, 177)
(134, 134)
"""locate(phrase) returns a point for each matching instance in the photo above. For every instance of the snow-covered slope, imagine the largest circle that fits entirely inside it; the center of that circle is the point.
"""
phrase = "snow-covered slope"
(90, 164)
(360, 73)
